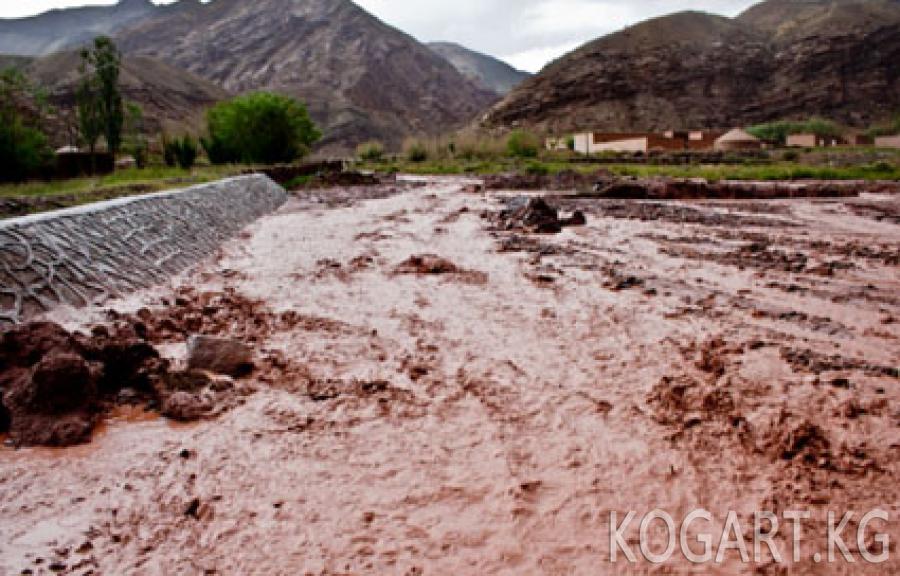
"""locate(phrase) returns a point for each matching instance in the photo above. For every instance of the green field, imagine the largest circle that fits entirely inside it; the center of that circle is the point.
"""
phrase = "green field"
(713, 172)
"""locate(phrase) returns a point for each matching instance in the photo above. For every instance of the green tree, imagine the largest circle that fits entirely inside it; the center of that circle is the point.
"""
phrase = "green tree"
(260, 128)
(135, 141)
(24, 150)
(523, 144)
(100, 101)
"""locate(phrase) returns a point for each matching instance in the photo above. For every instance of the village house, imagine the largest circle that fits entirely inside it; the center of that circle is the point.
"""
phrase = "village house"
(888, 141)
(738, 139)
(644, 142)
(813, 141)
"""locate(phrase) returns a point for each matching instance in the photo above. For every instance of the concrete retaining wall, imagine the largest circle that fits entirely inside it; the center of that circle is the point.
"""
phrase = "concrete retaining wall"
(78, 255)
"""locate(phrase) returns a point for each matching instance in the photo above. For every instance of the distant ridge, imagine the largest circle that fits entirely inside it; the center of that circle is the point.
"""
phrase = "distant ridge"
(779, 59)
(58, 30)
(487, 71)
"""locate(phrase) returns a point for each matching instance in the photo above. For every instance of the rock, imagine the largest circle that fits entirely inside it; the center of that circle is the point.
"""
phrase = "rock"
(219, 355)
(531, 215)
(185, 406)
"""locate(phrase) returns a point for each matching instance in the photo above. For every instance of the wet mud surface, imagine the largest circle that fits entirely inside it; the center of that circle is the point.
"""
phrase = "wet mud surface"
(434, 393)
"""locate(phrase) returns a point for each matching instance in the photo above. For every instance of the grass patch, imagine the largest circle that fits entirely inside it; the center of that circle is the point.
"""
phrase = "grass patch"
(33, 197)
(769, 171)
(155, 177)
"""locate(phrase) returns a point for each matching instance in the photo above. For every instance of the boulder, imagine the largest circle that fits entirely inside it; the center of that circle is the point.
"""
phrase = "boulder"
(219, 355)
(186, 406)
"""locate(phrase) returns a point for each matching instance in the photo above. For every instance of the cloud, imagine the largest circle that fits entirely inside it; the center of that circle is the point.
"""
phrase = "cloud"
(529, 33)
(525, 33)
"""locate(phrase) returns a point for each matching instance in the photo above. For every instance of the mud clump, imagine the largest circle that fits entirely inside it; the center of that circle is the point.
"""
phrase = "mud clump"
(534, 215)
(564, 180)
(433, 265)
(700, 189)
(806, 441)
(55, 384)
(426, 264)
(55, 403)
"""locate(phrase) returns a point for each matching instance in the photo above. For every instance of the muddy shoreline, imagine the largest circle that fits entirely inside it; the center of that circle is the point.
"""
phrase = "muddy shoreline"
(441, 388)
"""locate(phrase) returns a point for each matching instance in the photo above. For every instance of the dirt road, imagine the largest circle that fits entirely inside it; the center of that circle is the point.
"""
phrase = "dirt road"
(485, 415)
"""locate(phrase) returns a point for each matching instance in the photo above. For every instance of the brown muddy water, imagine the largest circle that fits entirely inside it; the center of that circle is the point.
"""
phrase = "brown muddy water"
(435, 396)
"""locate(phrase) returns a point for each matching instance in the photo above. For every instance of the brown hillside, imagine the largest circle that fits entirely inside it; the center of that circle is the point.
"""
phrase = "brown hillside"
(361, 78)
(694, 70)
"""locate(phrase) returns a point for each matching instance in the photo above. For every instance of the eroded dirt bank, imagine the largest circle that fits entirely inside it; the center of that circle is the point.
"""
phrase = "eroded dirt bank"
(437, 393)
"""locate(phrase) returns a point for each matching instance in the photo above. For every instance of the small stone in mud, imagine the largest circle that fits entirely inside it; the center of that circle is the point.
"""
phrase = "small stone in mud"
(842, 383)
(219, 355)
(193, 509)
(426, 264)
(185, 407)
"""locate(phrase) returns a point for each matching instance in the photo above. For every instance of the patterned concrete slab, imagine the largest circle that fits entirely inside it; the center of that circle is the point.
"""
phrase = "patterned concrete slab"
(78, 255)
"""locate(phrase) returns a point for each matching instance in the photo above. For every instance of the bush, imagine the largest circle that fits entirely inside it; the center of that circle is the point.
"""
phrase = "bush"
(475, 147)
(523, 144)
(260, 128)
(24, 152)
(415, 151)
(779, 131)
(791, 156)
(372, 151)
(181, 151)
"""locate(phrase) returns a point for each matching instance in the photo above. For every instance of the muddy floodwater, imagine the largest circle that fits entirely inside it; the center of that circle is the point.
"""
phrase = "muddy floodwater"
(437, 395)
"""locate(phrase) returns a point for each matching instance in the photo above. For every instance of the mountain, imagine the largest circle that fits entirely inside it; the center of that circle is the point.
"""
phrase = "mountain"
(172, 99)
(780, 59)
(58, 30)
(360, 78)
(486, 71)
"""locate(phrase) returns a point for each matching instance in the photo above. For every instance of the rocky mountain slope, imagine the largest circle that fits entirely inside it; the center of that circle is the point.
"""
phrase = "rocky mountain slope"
(488, 72)
(360, 78)
(58, 30)
(172, 99)
(780, 59)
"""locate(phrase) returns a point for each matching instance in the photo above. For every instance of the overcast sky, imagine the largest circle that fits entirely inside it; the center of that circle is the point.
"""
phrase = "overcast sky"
(525, 33)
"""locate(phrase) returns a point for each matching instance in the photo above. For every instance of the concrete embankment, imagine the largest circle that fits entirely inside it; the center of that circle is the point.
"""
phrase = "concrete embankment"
(77, 255)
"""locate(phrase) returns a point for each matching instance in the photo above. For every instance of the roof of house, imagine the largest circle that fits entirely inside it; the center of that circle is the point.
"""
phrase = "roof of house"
(738, 135)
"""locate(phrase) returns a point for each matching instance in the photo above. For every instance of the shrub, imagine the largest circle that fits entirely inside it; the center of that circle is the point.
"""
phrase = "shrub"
(886, 129)
(372, 151)
(415, 151)
(260, 128)
(779, 131)
(181, 151)
(791, 156)
(523, 144)
(24, 151)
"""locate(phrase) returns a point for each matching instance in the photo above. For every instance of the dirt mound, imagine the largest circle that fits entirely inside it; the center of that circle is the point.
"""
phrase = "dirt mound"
(564, 180)
(700, 189)
(534, 215)
(56, 385)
